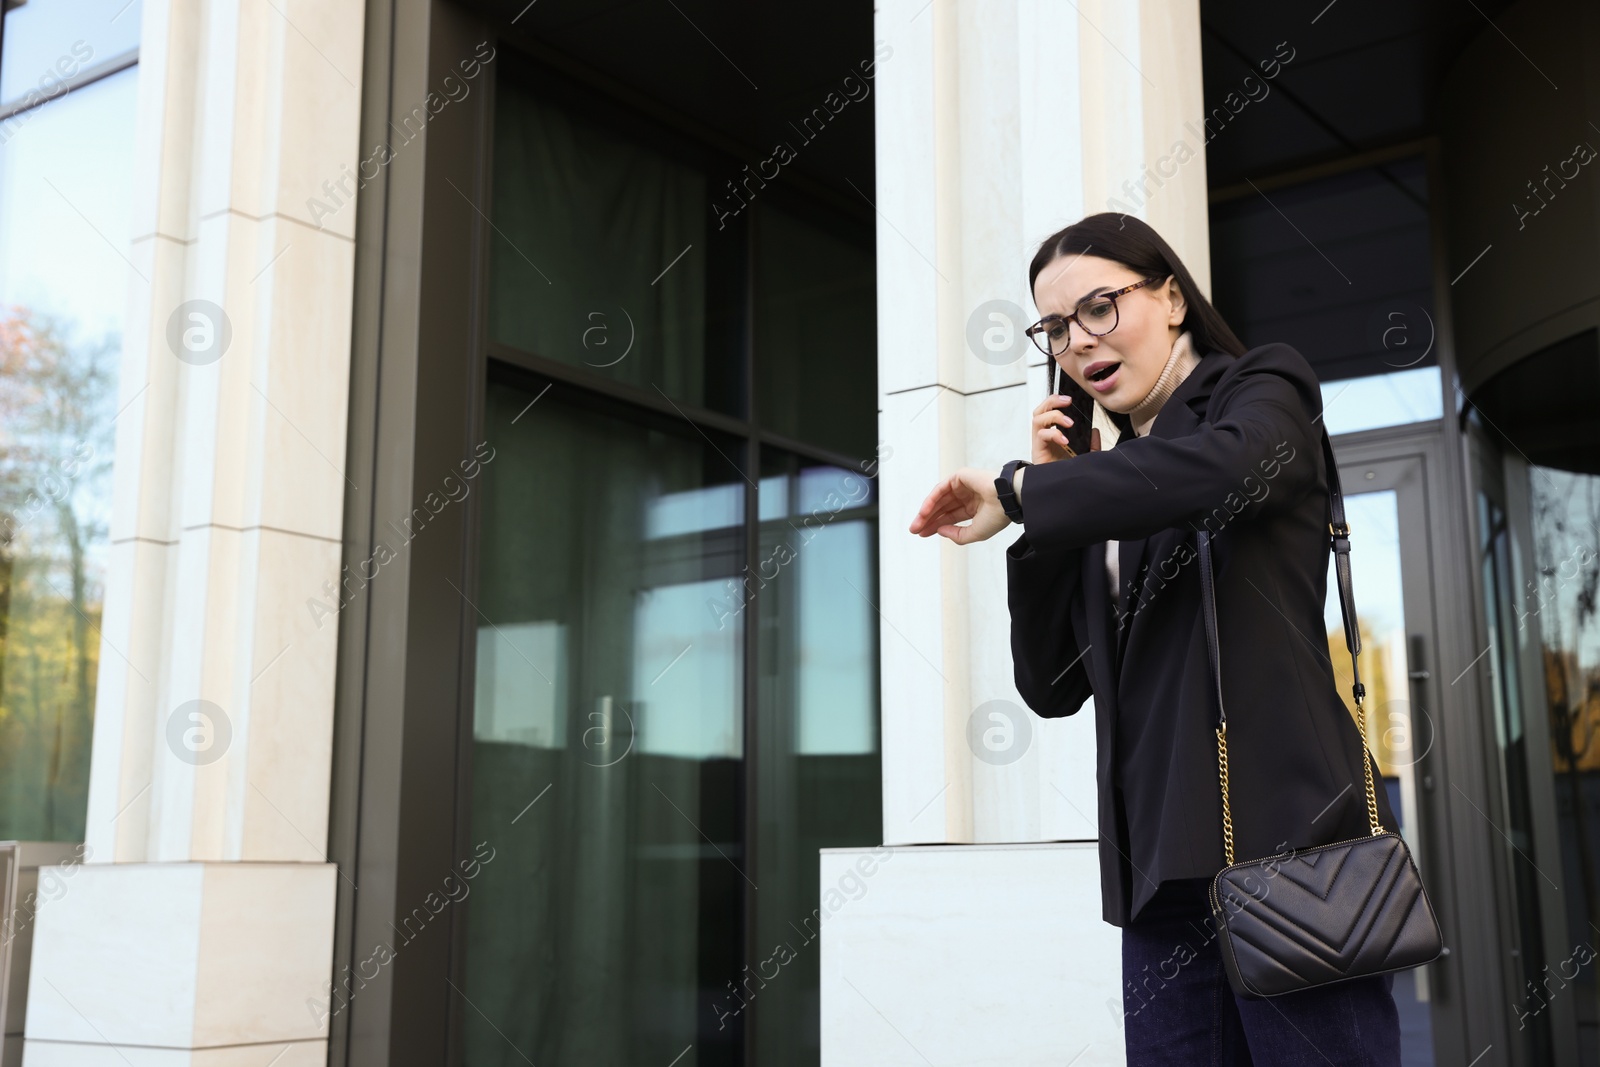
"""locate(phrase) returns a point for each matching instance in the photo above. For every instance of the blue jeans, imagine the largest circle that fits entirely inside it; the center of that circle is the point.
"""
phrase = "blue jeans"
(1179, 1010)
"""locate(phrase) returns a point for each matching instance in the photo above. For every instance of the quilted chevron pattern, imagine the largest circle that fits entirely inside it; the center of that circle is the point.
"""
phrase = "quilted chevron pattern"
(1340, 911)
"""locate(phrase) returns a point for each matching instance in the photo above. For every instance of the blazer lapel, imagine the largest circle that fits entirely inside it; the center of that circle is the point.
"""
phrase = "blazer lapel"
(1178, 417)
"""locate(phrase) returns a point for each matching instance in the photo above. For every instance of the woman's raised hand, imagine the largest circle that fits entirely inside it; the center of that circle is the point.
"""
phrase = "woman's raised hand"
(1049, 434)
(1049, 428)
(967, 494)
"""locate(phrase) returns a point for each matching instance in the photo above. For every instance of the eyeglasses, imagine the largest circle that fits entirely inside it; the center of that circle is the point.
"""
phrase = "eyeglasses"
(1096, 317)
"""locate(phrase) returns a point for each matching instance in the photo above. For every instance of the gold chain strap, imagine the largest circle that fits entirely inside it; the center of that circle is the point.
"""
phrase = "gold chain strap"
(1366, 767)
(1342, 529)
(1227, 812)
(1227, 809)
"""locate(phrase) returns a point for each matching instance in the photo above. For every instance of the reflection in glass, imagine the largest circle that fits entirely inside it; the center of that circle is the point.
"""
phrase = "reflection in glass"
(816, 334)
(63, 282)
(669, 621)
(1558, 607)
(607, 763)
(1499, 563)
(603, 255)
(818, 777)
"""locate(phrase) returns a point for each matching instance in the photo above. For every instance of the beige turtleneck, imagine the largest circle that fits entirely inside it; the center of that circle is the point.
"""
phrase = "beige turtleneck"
(1143, 416)
(1182, 360)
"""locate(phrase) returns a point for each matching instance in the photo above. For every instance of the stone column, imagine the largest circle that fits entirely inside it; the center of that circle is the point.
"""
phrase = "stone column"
(997, 124)
(202, 922)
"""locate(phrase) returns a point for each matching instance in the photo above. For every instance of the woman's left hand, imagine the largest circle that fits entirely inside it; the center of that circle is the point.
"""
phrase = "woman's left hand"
(966, 494)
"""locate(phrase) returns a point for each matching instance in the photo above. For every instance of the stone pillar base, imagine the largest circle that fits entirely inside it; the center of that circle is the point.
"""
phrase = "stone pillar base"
(968, 953)
(65, 1054)
(182, 963)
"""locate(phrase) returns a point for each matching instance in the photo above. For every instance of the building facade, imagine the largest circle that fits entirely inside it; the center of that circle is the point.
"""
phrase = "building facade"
(457, 457)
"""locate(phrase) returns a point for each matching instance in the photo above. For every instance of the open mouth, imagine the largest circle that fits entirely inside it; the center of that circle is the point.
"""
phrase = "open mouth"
(1104, 372)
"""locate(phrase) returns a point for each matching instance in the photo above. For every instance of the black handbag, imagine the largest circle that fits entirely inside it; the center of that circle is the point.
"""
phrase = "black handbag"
(1331, 913)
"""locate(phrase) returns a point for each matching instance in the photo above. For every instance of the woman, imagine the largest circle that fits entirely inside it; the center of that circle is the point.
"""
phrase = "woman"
(1190, 431)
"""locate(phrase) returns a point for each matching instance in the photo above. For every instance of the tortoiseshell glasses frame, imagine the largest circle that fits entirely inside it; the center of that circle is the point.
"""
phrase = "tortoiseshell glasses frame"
(1053, 333)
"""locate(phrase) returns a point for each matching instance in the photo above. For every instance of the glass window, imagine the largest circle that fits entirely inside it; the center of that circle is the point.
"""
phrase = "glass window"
(604, 255)
(64, 279)
(1392, 399)
(816, 335)
(1499, 562)
(48, 43)
(1537, 458)
(818, 771)
(608, 752)
(672, 766)
(1557, 608)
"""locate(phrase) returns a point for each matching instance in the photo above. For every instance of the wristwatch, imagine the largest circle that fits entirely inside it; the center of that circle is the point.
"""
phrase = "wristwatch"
(1004, 489)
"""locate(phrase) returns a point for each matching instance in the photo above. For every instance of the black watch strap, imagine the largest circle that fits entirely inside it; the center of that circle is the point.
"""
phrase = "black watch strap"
(1007, 494)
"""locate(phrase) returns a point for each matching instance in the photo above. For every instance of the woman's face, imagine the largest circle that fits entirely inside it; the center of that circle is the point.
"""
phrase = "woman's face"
(1149, 321)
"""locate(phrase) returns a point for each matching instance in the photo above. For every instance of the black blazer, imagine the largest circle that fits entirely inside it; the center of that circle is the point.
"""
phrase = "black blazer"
(1235, 448)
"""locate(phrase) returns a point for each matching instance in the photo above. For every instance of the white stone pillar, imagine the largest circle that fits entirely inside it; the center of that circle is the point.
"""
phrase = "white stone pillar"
(998, 122)
(202, 922)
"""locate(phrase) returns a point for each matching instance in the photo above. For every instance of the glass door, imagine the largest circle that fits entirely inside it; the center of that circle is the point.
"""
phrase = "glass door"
(607, 738)
(1556, 615)
(1538, 540)
(1392, 582)
(675, 694)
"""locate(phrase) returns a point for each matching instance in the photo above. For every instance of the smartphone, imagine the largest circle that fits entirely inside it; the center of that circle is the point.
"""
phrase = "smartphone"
(1080, 411)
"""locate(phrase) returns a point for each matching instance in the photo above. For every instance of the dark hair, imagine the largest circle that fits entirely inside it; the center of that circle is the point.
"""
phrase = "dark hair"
(1131, 242)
